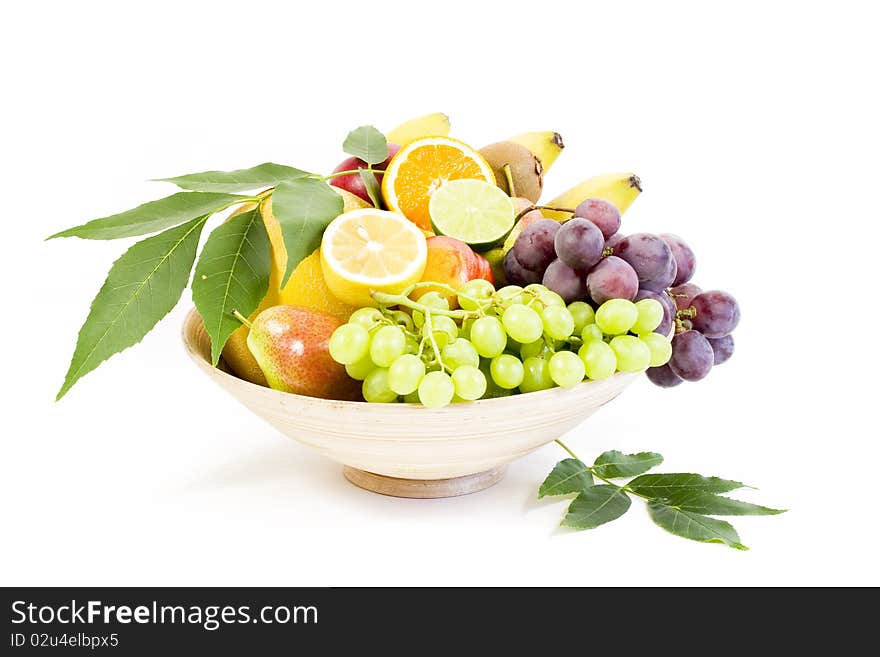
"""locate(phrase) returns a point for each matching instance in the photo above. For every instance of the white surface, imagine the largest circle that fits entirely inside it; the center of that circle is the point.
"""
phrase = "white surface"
(754, 129)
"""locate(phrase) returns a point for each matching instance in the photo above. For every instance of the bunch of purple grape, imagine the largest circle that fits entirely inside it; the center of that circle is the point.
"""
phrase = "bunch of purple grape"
(587, 259)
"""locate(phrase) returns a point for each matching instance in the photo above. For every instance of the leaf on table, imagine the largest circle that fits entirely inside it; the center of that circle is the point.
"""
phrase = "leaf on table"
(615, 464)
(595, 506)
(303, 207)
(663, 485)
(709, 504)
(366, 143)
(232, 274)
(143, 285)
(374, 190)
(694, 526)
(267, 174)
(567, 476)
(153, 216)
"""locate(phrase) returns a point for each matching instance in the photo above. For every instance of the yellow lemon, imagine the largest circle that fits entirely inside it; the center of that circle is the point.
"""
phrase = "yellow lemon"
(371, 250)
(305, 287)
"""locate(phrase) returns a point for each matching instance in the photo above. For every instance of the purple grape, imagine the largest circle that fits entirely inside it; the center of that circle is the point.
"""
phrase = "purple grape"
(663, 376)
(579, 244)
(534, 247)
(668, 309)
(565, 281)
(685, 260)
(722, 348)
(692, 356)
(516, 274)
(614, 240)
(612, 278)
(651, 257)
(684, 294)
(603, 214)
(717, 313)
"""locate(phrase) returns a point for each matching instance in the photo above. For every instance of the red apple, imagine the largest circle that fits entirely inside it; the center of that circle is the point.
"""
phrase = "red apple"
(353, 182)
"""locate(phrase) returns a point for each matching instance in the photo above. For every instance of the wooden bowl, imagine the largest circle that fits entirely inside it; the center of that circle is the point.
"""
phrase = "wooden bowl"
(408, 450)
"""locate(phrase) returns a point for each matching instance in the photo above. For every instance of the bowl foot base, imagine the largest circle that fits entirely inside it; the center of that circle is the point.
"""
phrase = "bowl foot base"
(424, 488)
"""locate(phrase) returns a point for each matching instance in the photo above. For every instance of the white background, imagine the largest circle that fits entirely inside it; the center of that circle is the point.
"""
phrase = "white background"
(753, 127)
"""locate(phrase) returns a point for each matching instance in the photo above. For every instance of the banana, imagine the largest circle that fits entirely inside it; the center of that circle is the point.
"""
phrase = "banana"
(430, 125)
(546, 146)
(621, 189)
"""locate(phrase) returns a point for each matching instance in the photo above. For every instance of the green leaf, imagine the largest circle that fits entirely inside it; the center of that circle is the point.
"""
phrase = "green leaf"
(714, 505)
(374, 190)
(141, 288)
(694, 526)
(595, 506)
(232, 274)
(154, 216)
(661, 486)
(617, 464)
(267, 174)
(366, 143)
(568, 476)
(304, 208)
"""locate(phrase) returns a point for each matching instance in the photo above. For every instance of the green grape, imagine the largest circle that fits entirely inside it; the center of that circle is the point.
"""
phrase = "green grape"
(660, 346)
(506, 371)
(558, 322)
(412, 345)
(366, 317)
(536, 289)
(536, 348)
(549, 298)
(510, 294)
(434, 299)
(388, 343)
(599, 359)
(349, 343)
(412, 398)
(446, 326)
(418, 318)
(633, 355)
(616, 316)
(591, 332)
(402, 319)
(566, 369)
(582, 313)
(359, 370)
(488, 337)
(478, 289)
(650, 314)
(405, 374)
(436, 389)
(375, 387)
(513, 345)
(536, 375)
(469, 382)
(458, 353)
(493, 390)
(522, 324)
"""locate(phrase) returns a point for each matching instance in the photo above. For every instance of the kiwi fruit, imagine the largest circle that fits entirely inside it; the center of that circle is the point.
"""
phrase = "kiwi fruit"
(525, 169)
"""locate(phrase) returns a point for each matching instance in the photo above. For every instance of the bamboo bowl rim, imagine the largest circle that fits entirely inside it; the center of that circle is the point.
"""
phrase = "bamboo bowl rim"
(192, 325)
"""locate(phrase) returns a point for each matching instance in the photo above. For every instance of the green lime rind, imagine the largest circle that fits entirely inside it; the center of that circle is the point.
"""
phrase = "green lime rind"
(473, 211)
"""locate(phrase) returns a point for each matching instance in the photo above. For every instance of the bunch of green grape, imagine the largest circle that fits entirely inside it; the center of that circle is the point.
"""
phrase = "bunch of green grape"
(497, 343)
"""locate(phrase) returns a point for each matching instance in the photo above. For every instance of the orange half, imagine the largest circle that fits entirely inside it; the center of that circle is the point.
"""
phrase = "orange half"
(424, 165)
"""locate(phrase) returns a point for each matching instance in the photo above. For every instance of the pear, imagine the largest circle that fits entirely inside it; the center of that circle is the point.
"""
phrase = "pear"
(291, 346)
(514, 164)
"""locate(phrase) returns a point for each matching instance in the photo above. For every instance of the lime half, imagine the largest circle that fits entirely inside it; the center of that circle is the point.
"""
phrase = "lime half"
(474, 211)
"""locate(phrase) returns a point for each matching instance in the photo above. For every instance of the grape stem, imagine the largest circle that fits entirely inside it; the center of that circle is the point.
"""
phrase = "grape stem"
(686, 313)
(429, 330)
(402, 299)
(593, 472)
(528, 209)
